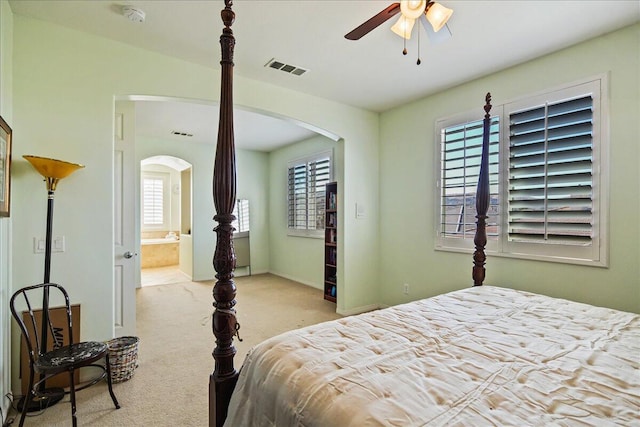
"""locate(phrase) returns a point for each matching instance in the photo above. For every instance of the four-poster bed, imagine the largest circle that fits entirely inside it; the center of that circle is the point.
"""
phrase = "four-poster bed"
(477, 356)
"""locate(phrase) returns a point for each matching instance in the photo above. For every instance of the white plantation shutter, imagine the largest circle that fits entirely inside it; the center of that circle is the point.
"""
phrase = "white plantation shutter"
(548, 168)
(307, 179)
(319, 176)
(551, 173)
(460, 168)
(153, 201)
(298, 196)
(241, 212)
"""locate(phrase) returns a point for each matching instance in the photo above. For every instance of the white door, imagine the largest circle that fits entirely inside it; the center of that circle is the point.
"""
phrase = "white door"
(125, 255)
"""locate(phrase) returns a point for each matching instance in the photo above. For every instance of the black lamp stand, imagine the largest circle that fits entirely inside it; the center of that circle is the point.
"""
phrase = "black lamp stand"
(46, 397)
(52, 170)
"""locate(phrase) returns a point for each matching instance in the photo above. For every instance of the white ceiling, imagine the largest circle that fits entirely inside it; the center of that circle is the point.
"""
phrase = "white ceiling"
(370, 73)
(160, 117)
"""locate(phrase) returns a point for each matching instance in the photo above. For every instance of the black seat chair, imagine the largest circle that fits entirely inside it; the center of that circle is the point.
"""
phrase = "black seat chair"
(47, 356)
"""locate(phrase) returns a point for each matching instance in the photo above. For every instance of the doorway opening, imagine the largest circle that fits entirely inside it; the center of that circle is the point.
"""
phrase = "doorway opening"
(165, 220)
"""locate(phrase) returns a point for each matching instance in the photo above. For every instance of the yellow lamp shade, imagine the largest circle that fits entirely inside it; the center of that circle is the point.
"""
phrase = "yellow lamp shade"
(438, 15)
(52, 169)
(403, 27)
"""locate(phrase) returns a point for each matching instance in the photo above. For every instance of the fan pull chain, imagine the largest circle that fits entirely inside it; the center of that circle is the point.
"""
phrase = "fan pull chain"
(418, 62)
(404, 41)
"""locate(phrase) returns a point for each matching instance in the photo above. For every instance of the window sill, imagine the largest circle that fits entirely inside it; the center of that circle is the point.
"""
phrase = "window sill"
(313, 234)
(530, 257)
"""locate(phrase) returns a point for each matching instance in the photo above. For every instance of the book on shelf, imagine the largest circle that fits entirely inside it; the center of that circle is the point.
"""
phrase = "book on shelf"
(330, 242)
(332, 201)
(331, 256)
(332, 220)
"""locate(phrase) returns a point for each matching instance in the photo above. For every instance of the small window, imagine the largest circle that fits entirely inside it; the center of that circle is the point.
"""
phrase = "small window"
(154, 197)
(307, 179)
(546, 174)
(241, 212)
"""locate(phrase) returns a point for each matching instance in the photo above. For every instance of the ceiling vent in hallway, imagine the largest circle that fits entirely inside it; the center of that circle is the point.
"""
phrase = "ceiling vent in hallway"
(179, 133)
(287, 68)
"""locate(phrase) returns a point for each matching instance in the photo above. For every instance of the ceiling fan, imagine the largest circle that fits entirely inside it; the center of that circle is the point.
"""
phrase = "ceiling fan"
(427, 11)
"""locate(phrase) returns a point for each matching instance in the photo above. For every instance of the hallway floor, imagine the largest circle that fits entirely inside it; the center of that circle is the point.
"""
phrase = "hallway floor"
(162, 276)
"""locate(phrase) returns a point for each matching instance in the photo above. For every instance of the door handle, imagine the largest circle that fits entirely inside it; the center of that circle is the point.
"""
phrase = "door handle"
(129, 254)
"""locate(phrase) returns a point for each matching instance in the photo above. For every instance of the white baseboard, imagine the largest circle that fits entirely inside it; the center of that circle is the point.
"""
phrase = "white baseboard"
(242, 271)
(254, 272)
(296, 279)
(348, 312)
(358, 310)
(188, 276)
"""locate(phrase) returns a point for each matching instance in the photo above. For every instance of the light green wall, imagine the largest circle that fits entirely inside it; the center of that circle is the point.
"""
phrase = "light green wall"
(407, 162)
(253, 185)
(297, 258)
(252, 178)
(358, 153)
(64, 93)
(63, 102)
(6, 100)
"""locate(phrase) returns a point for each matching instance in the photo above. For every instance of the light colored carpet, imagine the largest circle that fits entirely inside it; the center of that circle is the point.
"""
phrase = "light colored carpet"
(170, 386)
(162, 276)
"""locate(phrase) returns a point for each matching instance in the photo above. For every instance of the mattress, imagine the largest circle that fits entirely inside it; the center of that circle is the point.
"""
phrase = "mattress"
(475, 357)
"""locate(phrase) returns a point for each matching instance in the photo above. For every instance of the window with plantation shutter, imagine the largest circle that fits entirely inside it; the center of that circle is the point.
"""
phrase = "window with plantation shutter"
(154, 193)
(547, 171)
(307, 178)
(550, 173)
(461, 150)
(241, 212)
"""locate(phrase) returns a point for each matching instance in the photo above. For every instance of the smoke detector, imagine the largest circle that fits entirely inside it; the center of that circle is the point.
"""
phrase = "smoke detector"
(133, 14)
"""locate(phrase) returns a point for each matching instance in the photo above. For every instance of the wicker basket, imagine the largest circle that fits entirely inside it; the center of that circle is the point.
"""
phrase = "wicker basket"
(123, 357)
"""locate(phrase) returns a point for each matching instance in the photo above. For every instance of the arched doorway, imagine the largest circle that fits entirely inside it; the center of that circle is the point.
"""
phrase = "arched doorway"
(165, 220)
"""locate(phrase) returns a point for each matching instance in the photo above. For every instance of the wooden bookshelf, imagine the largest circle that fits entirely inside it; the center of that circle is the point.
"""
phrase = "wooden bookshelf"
(331, 242)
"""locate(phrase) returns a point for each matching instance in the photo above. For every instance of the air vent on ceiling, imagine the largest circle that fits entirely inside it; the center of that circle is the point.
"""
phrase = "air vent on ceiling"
(287, 68)
(180, 133)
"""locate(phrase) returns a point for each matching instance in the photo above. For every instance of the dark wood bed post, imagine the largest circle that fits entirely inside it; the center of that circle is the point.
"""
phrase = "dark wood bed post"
(223, 379)
(482, 200)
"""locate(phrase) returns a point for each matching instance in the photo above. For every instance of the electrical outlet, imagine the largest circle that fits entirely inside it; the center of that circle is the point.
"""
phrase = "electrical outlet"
(405, 289)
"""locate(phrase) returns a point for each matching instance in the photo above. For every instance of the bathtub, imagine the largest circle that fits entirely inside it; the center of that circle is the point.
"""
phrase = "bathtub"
(159, 252)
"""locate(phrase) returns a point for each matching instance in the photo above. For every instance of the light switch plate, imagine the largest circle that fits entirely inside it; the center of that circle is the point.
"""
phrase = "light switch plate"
(38, 245)
(58, 244)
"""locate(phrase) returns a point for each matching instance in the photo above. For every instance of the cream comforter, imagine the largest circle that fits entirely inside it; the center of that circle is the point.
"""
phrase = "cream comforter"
(475, 357)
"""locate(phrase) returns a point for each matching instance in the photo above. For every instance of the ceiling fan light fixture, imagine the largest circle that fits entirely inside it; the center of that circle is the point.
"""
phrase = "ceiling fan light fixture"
(403, 27)
(412, 9)
(438, 15)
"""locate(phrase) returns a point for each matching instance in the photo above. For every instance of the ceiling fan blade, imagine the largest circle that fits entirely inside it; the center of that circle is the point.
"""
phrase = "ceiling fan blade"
(440, 36)
(374, 22)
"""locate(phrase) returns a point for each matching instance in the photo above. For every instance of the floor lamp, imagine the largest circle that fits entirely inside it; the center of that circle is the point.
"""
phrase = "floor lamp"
(53, 171)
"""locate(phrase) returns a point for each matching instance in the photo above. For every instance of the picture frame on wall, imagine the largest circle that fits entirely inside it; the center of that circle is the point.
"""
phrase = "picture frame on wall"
(5, 167)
